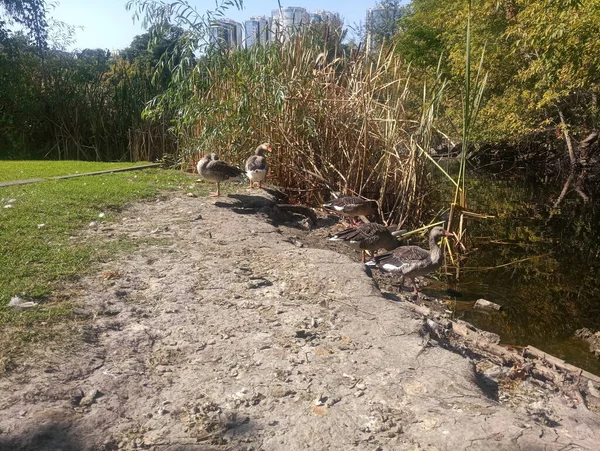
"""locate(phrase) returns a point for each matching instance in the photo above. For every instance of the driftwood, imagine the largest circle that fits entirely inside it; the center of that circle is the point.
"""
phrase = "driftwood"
(559, 363)
(537, 363)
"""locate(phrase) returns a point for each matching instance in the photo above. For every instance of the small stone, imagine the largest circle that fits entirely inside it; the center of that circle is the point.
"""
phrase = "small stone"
(101, 215)
(192, 195)
(593, 390)
(17, 302)
(76, 396)
(93, 225)
(482, 304)
(321, 400)
(88, 400)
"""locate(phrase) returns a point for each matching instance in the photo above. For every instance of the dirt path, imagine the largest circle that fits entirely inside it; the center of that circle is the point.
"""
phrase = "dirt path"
(231, 336)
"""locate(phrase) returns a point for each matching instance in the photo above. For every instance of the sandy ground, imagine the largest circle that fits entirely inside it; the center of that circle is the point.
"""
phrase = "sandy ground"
(233, 335)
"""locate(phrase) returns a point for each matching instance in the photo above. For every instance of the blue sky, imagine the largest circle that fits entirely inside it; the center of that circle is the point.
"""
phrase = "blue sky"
(106, 23)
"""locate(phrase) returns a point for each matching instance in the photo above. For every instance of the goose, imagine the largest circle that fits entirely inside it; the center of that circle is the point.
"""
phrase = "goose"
(352, 206)
(369, 237)
(413, 261)
(215, 170)
(256, 165)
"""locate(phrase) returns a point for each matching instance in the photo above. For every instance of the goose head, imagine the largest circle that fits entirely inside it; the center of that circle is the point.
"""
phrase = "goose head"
(437, 232)
(264, 147)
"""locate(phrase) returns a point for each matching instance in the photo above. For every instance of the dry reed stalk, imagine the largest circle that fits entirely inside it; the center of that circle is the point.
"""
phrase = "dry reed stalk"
(336, 123)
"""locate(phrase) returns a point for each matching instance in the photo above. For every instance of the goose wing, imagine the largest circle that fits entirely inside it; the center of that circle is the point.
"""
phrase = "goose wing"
(344, 204)
(367, 235)
(403, 259)
(224, 169)
(256, 163)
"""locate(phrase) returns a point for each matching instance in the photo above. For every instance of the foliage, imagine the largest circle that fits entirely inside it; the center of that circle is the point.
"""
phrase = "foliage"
(382, 25)
(83, 105)
(30, 14)
(539, 56)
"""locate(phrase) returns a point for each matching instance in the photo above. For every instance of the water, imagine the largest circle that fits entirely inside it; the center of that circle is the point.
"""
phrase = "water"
(542, 265)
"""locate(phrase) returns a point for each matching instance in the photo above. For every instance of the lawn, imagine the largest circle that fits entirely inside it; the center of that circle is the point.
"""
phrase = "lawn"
(37, 223)
(22, 170)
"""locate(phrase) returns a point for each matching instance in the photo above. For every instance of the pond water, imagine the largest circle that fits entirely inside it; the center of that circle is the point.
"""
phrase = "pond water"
(541, 264)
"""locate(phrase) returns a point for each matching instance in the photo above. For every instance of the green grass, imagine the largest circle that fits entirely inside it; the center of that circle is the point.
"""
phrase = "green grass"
(35, 259)
(22, 170)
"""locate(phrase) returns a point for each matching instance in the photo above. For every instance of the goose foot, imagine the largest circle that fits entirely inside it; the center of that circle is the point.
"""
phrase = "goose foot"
(214, 194)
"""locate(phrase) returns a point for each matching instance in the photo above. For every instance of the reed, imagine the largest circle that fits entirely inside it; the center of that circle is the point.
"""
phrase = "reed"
(339, 119)
(473, 93)
(338, 122)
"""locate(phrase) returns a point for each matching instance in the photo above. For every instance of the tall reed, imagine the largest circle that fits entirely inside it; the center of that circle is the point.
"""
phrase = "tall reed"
(347, 123)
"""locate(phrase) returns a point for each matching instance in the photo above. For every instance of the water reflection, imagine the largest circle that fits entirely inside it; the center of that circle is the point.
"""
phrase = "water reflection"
(552, 288)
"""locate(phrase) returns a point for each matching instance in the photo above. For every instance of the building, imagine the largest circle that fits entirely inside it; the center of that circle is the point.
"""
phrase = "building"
(258, 31)
(282, 24)
(288, 21)
(381, 24)
(330, 17)
(227, 33)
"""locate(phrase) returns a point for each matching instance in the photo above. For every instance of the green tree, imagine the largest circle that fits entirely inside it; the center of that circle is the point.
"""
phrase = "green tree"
(539, 54)
(31, 14)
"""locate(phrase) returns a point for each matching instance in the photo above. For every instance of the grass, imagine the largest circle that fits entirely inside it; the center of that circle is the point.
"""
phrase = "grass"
(22, 170)
(37, 249)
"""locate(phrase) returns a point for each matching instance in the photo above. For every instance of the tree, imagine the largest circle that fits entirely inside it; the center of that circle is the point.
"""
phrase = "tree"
(540, 56)
(382, 21)
(31, 14)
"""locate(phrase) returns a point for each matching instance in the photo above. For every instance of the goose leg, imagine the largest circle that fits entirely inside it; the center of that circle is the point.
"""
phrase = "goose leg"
(251, 184)
(260, 184)
(363, 256)
(416, 290)
(218, 193)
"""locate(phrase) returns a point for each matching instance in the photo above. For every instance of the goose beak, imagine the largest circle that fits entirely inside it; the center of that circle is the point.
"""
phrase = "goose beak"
(269, 148)
(446, 233)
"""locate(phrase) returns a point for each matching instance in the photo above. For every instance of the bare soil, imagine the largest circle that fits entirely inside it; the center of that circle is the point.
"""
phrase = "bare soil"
(236, 334)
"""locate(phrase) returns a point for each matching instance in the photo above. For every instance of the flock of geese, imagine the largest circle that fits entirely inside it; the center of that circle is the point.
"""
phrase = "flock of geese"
(405, 261)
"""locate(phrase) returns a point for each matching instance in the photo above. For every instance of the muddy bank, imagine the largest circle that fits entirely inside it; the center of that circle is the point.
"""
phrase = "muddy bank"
(235, 334)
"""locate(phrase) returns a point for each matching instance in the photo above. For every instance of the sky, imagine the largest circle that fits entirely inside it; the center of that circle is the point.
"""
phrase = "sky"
(108, 25)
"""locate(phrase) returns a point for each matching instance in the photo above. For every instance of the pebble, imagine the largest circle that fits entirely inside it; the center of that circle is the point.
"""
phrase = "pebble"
(17, 302)
(88, 399)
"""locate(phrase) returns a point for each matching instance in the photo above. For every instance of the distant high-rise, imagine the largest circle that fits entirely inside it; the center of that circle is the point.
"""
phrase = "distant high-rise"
(288, 21)
(382, 23)
(330, 17)
(226, 32)
(282, 24)
(258, 31)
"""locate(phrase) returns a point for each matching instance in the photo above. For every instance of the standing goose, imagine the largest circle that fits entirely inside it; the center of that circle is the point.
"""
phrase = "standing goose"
(352, 206)
(215, 170)
(413, 261)
(256, 165)
(369, 237)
